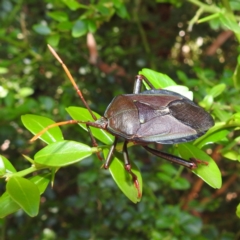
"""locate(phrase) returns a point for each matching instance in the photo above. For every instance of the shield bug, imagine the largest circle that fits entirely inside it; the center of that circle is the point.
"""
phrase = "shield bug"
(144, 117)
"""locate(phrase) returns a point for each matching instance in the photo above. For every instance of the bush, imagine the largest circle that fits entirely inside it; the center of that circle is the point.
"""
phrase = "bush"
(105, 44)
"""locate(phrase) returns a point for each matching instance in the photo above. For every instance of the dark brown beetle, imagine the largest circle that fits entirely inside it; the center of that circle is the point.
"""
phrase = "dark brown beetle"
(152, 116)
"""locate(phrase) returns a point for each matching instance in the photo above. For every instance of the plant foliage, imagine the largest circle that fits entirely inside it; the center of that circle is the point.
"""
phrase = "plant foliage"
(104, 44)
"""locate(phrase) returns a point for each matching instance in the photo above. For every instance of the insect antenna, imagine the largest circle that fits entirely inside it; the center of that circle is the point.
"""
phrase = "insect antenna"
(88, 124)
(79, 92)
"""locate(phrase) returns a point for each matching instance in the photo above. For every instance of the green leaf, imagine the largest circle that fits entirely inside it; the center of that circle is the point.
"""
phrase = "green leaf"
(222, 115)
(215, 23)
(41, 181)
(58, 16)
(63, 153)
(122, 11)
(82, 114)
(92, 26)
(25, 193)
(191, 224)
(123, 179)
(209, 18)
(181, 90)
(104, 10)
(53, 174)
(231, 154)
(234, 119)
(3, 70)
(79, 29)
(229, 23)
(3, 91)
(42, 29)
(6, 166)
(211, 138)
(117, 3)
(65, 26)
(238, 210)
(8, 205)
(2, 167)
(35, 124)
(209, 173)
(74, 5)
(236, 75)
(53, 40)
(25, 92)
(180, 184)
(159, 80)
(234, 5)
(217, 90)
(169, 169)
(164, 177)
(28, 159)
(217, 127)
(207, 102)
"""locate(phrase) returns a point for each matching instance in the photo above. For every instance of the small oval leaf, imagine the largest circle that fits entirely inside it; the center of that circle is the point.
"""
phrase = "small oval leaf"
(181, 90)
(7, 205)
(217, 90)
(25, 193)
(123, 179)
(210, 173)
(41, 181)
(6, 166)
(229, 22)
(82, 114)
(180, 184)
(159, 80)
(74, 4)
(53, 40)
(58, 16)
(65, 26)
(41, 29)
(231, 154)
(212, 138)
(79, 29)
(238, 210)
(2, 167)
(62, 153)
(35, 124)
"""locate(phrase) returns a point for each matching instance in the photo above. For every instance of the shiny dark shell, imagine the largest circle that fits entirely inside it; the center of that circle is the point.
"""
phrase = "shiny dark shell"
(156, 116)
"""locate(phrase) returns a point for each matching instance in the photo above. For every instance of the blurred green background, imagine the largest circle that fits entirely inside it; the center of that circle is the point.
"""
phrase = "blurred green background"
(85, 203)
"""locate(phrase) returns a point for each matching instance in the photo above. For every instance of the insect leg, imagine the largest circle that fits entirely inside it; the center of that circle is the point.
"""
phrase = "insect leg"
(192, 164)
(110, 153)
(94, 142)
(128, 168)
(138, 83)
